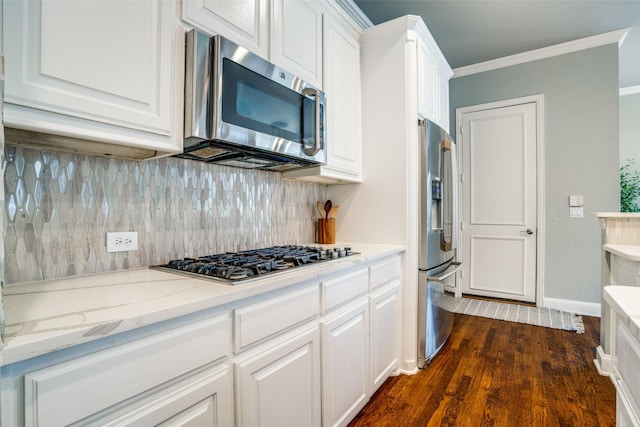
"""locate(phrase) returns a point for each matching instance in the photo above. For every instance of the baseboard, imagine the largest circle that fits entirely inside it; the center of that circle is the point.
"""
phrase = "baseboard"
(579, 307)
(603, 362)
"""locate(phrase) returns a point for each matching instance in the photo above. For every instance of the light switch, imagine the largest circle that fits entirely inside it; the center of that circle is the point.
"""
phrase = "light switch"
(576, 201)
(576, 212)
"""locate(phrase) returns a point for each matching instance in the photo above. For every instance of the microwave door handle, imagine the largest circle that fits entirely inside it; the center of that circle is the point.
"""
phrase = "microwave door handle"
(312, 151)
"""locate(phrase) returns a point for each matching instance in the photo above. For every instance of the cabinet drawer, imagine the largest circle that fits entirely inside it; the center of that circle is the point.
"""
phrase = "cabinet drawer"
(68, 392)
(256, 322)
(385, 272)
(344, 288)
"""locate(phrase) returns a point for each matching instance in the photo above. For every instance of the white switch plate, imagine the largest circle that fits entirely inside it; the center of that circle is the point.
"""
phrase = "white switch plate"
(122, 241)
(576, 200)
(576, 212)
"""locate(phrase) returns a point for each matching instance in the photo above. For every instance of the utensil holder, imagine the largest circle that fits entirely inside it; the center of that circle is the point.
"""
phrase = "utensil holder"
(327, 230)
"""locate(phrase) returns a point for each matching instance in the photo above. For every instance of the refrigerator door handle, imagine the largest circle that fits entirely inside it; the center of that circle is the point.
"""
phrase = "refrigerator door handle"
(457, 266)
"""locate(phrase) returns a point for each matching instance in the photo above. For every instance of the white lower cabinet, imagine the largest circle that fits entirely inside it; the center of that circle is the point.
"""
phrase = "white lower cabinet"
(385, 339)
(168, 376)
(308, 355)
(626, 376)
(278, 383)
(345, 363)
(204, 400)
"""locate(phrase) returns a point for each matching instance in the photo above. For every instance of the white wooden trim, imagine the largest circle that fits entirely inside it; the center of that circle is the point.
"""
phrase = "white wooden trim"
(617, 36)
(354, 12)
(631, 90)
(540, 233)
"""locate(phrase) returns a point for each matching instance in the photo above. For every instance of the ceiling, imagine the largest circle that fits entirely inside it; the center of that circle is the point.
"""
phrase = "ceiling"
(473, 31)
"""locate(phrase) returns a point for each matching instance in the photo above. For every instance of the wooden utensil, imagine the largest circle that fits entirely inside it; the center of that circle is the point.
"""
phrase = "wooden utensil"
(320, 209)
(333, 212)
(327, 208)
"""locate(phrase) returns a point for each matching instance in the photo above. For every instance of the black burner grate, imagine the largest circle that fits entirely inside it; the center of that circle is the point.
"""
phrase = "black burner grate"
(238, 266)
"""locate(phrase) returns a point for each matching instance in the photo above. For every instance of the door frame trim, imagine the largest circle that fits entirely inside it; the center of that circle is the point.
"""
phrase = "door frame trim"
(538, 100)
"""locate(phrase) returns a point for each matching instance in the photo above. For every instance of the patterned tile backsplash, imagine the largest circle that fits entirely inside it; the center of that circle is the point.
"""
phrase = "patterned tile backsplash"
(58, 208)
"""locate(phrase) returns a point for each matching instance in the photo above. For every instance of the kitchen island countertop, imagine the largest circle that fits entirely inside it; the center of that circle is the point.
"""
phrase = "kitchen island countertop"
(44, 316)
(625, 301)
(630, 252)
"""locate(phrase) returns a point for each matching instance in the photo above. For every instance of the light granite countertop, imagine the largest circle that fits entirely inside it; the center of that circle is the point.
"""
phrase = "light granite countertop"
(617, 214)
(630, 252)
(625, 301)
(44, 316)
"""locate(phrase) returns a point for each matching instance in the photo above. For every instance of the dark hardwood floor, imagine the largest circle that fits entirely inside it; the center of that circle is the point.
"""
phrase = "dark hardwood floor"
(497, 373)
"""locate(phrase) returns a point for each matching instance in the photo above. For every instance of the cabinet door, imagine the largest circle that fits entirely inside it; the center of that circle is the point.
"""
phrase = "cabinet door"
(296, 38)
(443, 101)
(342, 86)
(345, 364)
(626, 373)
(91, 386)
(202, 401)
(278, 384)
(101, 70)
(427, 83)
(241, 21)
(625, 272)
(385, 337)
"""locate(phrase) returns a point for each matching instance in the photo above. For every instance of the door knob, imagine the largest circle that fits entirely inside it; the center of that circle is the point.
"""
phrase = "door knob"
(528, 231)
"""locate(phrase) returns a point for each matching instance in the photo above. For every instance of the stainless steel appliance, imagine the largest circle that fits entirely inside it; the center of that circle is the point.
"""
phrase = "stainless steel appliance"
(239, 267)
(241, 110)
(437, 241)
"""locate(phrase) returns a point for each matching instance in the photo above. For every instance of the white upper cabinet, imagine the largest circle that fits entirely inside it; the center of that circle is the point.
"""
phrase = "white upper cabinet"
(296, 38)
(101, 71)
(342, 88)
(244, 22)
(427, 82)
(433, 80)
(285, 32)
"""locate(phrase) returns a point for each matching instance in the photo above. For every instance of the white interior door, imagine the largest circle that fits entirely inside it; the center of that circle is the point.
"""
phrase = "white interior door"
(499, 201)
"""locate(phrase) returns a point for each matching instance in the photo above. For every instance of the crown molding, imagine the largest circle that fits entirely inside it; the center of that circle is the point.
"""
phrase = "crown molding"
(631, 90)
(355, 13)
(617, 36)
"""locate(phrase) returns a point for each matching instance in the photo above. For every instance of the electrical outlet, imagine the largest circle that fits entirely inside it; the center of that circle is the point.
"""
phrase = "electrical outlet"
(122, 241)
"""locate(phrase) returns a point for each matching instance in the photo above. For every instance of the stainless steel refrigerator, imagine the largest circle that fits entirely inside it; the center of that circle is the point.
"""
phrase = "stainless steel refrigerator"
(437, 241)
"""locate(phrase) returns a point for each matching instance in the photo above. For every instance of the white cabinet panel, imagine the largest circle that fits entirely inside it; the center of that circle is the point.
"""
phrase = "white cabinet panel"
(203, 401)
(341, 70)
(345, 363)
(428, 98)
(296, 38)
(342, 86)
(385, 271)
(100, 70)
(279, 383)
(385, 336)
(443, 104)
(71, 391)
(433, 83)
(244, 22)
(343, 289)
(626, 372)
(258, 321)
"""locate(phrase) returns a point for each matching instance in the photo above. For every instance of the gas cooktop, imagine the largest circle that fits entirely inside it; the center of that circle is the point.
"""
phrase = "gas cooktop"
(239, 267)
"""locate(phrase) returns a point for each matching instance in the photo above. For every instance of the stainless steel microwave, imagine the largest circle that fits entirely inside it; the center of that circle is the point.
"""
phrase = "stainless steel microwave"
(243, 111)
